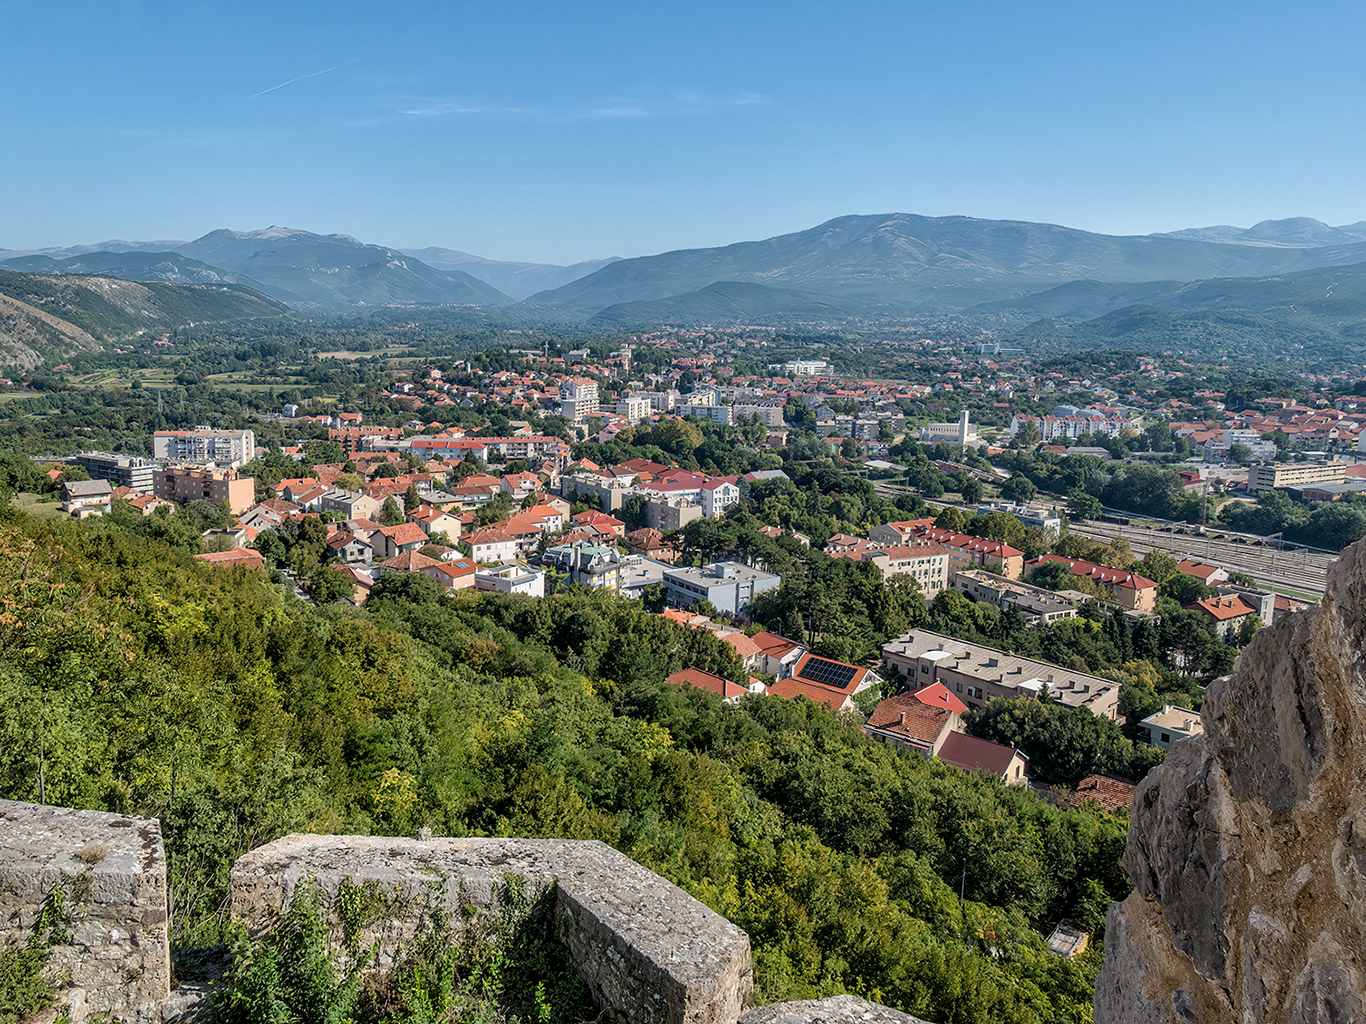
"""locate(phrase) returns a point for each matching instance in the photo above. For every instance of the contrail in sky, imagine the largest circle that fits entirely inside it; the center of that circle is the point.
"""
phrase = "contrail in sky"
(314, 74)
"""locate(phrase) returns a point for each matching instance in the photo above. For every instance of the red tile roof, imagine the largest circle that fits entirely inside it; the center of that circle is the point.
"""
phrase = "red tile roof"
(1111, 794)
(723, 688)
(905, 716)
(1100, 573)
(981, 755)
(937, 695)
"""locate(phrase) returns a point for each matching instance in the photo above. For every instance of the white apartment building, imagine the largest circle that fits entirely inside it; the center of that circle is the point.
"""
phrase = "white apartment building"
(226, 449)
(579, 399)
(635, 408)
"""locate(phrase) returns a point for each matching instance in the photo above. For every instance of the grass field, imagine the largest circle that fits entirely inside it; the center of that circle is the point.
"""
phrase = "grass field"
(37, 504)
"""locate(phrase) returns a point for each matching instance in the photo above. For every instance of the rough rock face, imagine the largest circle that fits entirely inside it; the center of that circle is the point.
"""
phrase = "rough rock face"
(1247, 847)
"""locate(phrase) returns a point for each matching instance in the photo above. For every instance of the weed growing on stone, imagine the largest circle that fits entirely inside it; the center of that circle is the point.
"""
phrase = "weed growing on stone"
(504, 966)
(23, 988)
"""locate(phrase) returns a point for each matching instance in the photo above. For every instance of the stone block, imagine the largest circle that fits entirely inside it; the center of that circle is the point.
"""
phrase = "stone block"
(647, 951)
(112, 870)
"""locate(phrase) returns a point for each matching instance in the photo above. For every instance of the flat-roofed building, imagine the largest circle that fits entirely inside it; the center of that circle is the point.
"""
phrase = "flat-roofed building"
(1273, 476)
(119, 470)
(975, 673)
(729, 586)
(204, 446)
(1171, 724)
(194, 483)
(1036, 604)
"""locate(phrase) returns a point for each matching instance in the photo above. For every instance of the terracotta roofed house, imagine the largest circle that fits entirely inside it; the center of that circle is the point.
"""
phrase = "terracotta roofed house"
(723, 688)
(976, 754)
(1128, 589)
(904, 721)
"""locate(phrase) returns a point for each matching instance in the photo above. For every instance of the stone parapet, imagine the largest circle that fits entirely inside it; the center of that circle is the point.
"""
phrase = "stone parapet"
(112, 872)
(648, 951)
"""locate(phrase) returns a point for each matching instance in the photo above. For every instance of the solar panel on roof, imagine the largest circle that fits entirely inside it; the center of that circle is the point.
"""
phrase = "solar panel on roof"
(828, 673)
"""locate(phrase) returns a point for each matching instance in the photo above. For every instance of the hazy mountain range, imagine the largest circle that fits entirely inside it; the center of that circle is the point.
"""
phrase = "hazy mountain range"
(1014, 273)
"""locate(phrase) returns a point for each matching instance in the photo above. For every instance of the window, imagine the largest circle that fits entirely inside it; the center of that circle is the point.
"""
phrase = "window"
(1166, 737)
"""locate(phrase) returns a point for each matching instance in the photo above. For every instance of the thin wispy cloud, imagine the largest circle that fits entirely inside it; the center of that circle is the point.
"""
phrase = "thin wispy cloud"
(300, 78)
(618, 108)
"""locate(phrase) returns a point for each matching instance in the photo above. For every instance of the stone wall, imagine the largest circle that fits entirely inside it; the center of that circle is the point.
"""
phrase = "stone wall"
(113, 875)
(648, 951)
(1247, 846)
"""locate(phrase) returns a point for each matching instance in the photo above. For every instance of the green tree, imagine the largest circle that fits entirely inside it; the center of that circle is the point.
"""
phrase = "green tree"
(390, 514)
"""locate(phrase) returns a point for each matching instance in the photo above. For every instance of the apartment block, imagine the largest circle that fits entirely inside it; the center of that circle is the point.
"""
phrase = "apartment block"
(193, 483)
(976, 674)
(203, 446)
(1276, 475)
(119, 470)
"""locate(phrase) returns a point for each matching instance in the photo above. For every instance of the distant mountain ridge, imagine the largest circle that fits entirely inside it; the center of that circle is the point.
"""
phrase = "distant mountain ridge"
(336, 272)
(171, 267)
(1294, 232)
(515, 279)
(928, 263)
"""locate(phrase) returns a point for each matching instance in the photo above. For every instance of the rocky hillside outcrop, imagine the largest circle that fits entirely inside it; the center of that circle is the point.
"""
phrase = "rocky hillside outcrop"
(1247, 847)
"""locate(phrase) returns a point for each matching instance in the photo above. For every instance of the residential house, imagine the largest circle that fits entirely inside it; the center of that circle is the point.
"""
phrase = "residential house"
(492, 546)
(1110, 793)
(905, 721)
(974, 754)
(725, 689)
(1124, 588)
(1227, 612)
(84, 498)
(777, 654)
(512, 578)
(1210, 575)
(398, 539)
(1172, 723)
(234, 557)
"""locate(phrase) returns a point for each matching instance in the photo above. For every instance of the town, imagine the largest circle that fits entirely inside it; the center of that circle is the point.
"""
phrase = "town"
(682, 471)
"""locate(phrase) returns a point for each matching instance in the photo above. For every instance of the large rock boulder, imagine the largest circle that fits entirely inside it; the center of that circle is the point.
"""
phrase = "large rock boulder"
(1247, 847)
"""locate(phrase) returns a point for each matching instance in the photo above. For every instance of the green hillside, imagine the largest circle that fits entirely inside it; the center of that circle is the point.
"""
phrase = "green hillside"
(46, 317)
(1316, 316)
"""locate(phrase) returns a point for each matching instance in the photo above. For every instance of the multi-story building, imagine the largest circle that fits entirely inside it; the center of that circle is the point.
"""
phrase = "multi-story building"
(119, 470)
(579, 399)
(1036, 604)
(722, 414)
(729, 586)
(635, 408)
(769, 412)
(226, 449)
(975, 674)
(714, 494)
(197, 483)
(966, 551)
(1068, 422)
(1122, 587)
(660, 401)
(1277, 475)
(927, 564)
(589, 565)
(666, 514)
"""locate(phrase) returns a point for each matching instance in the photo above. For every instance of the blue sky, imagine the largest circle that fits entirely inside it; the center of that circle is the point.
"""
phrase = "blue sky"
(564, 131)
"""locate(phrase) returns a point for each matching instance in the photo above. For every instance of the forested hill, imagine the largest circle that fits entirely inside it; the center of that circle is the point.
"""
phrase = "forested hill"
(144, 682)
(47, 317)
(1314, 316)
